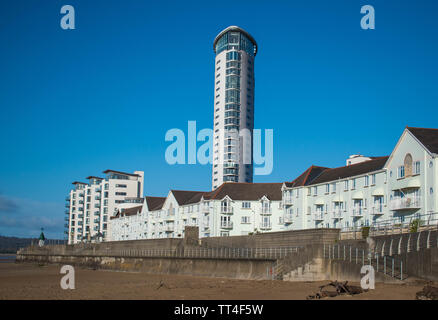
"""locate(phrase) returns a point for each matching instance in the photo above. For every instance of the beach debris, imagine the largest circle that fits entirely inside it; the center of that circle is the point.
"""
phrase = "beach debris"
(340, 288)
(428, 293)
(162, 285)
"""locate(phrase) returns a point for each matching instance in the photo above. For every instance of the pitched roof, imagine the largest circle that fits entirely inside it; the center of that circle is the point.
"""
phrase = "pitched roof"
(187, 197)
(428, 137)
(127, 212)
(306, 177)
(350, 171)
(246, 191)
(155, 203)
(120, 172)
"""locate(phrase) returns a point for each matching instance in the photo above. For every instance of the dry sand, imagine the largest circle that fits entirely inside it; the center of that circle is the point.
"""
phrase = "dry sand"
(30, 281)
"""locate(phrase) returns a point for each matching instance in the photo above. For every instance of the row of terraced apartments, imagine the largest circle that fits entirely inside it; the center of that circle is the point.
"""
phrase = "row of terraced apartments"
(367, 191)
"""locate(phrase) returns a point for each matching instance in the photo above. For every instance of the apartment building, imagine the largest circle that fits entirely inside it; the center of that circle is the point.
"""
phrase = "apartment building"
(235, 51)
(232, 209)
(369, 191)
(90, 205)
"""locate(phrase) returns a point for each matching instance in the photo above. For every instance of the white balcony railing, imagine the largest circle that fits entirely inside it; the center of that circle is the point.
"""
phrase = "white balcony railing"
(266, 210)
(337, 214)
(376, 210)
(288, 218)
(357, 211)
(287, 201)
(266, 225)
(226, 224)
(405, 203)
(319, 216)
(226, 209)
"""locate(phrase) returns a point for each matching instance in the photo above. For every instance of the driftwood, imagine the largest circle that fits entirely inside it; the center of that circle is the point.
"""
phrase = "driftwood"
(428, 293)
(341, 288)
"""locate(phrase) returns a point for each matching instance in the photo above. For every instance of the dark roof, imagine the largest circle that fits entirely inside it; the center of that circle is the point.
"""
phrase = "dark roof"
(350, 171)
(77, 182)
(94, 177)
(155, 203)
(127, 212)
(428, 137)
(120, 172)
(187, 197)
(306, 177)
(246, 191)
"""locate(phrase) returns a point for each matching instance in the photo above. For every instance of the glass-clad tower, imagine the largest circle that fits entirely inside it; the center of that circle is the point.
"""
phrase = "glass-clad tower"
(235, 51)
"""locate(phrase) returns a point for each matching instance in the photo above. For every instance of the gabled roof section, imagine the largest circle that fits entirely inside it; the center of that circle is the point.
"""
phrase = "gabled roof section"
(306, 177)
(351, 170)
(127, 212)
(246, 191)
(155, 203)
(187, 197)
(428, 137)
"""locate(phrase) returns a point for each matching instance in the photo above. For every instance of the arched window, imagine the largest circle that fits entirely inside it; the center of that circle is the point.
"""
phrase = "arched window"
(408, 165)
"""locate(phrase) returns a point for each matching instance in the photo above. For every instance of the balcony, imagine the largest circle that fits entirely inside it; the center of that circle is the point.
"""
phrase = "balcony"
(227, 209)
(67, 199)
(67, 211)
(66, 219)
(169, 228)
(226, 225)
(287, 201)
(337, 214)
(406, 203)
(266, 211)
(67, 205)
(265, 225)
(319, 216)
(170, 217)
(66, 225)
(205, 208)
(288, 218)
(357, 212)
(97, 198)
(378, 210)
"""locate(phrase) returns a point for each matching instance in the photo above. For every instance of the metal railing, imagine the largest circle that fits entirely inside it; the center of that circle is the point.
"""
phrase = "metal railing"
(388, 265)
(214, 253)
(407, 202)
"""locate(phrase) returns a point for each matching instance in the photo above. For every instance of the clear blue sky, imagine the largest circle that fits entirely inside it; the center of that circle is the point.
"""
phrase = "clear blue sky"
(76, 102)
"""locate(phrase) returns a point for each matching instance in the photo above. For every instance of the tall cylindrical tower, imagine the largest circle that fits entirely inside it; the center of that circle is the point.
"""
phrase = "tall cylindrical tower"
(235, 51)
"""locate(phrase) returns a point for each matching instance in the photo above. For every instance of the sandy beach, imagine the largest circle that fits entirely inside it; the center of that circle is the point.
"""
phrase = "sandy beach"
(31, 281)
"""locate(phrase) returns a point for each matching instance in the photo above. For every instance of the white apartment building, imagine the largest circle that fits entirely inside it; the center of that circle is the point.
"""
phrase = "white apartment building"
(369, 191)
(90, 205)
(232, 209)
(235, 51)
(366, 192)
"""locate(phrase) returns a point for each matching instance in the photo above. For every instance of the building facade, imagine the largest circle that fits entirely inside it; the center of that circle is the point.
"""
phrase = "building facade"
(232, 209)
(90, 205)
(235, 51)
(369, 191)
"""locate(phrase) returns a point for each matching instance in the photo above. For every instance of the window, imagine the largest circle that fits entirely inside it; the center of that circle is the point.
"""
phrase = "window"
(417, 169)
(367, 181)
(246, 204)
(327, 188)
(120, 193)
(373, 179)
(345, 185)
(334, 187)
(408, 165)
(246, 220)
(401, 172)
(353, 184)
(315, 190)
